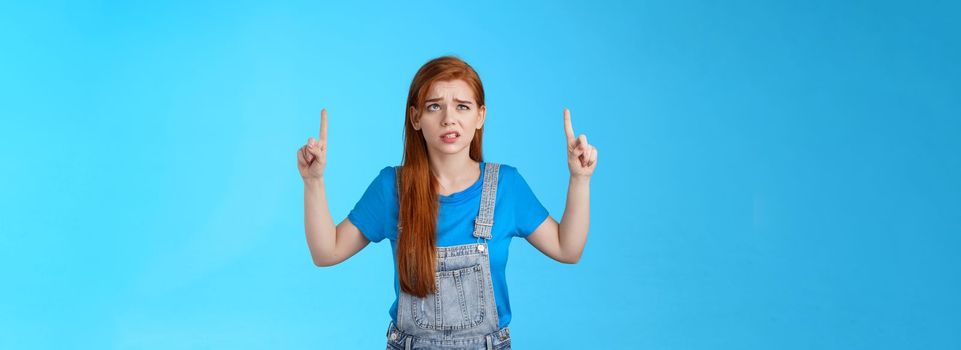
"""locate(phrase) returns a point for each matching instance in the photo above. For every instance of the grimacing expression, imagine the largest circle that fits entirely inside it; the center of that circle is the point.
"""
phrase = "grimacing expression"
(449, 116)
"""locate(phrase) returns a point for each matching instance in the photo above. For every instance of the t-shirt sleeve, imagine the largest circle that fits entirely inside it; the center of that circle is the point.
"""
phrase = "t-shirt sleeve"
(370, 212)
(529, 213)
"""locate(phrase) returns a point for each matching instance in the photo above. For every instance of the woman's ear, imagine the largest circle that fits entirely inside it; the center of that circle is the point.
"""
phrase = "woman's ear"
(414, 118)
(481, 116)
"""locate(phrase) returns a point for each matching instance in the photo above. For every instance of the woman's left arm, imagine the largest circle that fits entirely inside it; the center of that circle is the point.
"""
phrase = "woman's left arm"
(564, 242)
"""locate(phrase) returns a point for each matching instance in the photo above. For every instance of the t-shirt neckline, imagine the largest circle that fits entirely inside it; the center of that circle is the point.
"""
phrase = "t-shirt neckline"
(467, 193)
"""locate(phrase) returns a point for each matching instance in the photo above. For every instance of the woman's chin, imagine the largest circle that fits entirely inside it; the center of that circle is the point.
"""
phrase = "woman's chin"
(450, 149)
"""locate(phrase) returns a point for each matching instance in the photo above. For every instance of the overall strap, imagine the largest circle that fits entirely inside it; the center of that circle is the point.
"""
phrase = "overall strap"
(485, 216)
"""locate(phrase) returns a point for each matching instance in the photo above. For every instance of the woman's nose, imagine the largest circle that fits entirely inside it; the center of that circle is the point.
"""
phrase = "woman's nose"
(447, 120)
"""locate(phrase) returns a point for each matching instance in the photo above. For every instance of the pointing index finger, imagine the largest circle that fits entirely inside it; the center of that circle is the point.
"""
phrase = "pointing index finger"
(568, 129)
(323, 125)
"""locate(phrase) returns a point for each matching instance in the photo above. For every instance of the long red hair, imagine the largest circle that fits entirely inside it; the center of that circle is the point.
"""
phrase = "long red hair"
(418, 187)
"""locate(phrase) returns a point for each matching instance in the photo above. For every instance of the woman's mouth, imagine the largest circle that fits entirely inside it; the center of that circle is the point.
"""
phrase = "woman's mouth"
(450, 137)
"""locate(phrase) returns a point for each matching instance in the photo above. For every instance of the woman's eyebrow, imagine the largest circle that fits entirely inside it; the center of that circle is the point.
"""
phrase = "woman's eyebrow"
(435, 99)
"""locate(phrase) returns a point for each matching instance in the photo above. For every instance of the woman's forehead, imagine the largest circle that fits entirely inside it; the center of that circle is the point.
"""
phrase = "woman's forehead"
(450, 89)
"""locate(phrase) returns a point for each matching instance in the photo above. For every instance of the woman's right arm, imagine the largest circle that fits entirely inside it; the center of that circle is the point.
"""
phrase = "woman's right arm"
(329, 245)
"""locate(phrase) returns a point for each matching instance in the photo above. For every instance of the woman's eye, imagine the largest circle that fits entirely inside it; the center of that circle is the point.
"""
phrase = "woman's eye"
(465, 107)
(433, 107)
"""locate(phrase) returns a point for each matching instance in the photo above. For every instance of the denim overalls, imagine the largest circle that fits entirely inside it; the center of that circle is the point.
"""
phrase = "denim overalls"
(462, 314)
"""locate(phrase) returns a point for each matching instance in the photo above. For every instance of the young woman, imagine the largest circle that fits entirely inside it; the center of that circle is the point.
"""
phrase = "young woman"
(449, 215)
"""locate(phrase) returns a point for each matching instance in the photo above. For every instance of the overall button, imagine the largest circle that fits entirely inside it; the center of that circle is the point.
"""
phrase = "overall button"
(393, 335)
(480, 247)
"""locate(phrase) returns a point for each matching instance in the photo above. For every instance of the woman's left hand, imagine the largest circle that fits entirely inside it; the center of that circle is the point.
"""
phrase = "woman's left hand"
(581, 156)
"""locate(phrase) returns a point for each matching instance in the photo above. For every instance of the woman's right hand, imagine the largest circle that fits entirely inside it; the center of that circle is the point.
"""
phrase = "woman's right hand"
(312, 157)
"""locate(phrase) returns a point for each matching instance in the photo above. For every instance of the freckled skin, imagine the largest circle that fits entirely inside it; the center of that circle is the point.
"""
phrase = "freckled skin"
(456, 110)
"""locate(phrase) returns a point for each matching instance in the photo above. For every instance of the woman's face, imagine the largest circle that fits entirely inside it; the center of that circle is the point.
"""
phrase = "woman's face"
(448, 117)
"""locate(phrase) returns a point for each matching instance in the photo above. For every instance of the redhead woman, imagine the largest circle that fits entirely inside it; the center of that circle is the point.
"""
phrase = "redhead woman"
(448, 214)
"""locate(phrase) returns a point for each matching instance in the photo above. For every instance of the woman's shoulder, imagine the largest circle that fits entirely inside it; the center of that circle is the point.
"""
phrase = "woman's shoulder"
(505, 169)
(508, 176)
(386, 176)
(389, 170)
(511, 177)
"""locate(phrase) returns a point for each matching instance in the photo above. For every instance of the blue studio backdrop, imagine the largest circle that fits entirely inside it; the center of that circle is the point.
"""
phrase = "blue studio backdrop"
(771, 174)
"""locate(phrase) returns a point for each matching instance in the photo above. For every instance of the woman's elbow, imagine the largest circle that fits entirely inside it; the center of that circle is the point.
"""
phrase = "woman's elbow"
(324, 261)
(573, 259)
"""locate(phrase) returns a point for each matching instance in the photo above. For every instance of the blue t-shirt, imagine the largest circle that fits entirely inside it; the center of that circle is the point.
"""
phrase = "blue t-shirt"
(517, 213)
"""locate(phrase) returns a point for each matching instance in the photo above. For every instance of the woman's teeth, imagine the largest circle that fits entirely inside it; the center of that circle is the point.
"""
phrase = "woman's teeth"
(449, 138)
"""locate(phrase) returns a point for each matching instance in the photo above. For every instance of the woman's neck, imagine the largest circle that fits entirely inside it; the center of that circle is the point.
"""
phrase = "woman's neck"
(455, 173)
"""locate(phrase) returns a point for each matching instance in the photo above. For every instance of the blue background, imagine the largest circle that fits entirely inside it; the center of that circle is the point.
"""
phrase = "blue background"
(771, 174)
